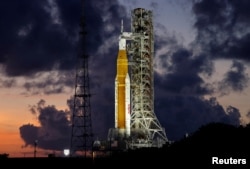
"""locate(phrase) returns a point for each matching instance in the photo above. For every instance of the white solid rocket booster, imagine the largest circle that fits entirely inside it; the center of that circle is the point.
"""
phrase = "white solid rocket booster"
(128, 113)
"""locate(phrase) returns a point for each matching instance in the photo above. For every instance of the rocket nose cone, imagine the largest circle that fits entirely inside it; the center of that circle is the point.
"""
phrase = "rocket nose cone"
(127, 79)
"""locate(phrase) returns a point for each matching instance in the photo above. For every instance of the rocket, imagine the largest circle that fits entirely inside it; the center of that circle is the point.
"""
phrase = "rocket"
(122, 89)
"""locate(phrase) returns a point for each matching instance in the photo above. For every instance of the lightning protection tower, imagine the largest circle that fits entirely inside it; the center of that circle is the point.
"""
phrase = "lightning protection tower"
(146, 130)
(81, 134)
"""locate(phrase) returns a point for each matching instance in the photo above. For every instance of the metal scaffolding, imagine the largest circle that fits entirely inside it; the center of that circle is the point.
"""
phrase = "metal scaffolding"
(146, 130)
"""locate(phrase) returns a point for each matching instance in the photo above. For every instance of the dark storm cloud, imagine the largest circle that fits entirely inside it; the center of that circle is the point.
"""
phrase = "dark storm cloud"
(42, 36)
(35, 36)
(29, 133)
(236, 78)
(180, 115)
(183, 73)
(222, 27)
(54, 130)
(31, 41)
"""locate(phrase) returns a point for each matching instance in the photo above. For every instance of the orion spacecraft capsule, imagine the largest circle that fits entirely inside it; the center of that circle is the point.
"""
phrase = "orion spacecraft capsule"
(122, 89)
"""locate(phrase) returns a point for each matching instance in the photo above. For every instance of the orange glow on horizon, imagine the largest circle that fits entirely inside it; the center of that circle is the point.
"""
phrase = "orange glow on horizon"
(11, 143)
(14, 113)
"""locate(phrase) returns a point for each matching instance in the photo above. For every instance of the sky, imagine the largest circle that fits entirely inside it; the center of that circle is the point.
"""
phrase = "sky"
(201, 66)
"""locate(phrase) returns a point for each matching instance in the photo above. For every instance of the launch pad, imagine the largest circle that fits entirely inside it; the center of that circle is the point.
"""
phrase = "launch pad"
(136, 124)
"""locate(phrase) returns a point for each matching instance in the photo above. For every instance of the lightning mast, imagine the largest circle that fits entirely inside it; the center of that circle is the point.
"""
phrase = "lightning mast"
(81, 134)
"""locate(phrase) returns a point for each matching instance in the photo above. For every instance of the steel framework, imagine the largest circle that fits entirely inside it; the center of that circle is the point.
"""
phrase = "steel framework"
(146, 130)
(81, 134)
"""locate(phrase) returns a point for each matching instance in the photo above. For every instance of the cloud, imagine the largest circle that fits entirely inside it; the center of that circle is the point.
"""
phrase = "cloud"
(45, 35)
(52, 82)
(32, 41)
(7, 83)
(222, 28)
(185, 114)
(43, 42)
(235, 79)
(182, 71)
(54, 130)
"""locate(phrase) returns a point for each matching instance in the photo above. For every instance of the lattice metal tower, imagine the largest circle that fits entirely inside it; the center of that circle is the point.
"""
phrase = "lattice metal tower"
(146, 130)
(81, 135)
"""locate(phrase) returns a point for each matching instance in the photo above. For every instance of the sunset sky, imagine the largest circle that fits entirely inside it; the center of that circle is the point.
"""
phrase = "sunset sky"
(201, 66)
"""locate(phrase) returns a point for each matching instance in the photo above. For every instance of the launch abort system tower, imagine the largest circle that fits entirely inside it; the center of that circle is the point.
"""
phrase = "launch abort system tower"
(134, 86)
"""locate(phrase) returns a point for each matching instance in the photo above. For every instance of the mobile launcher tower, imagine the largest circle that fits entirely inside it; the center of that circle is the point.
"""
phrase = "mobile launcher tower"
(136, 124)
